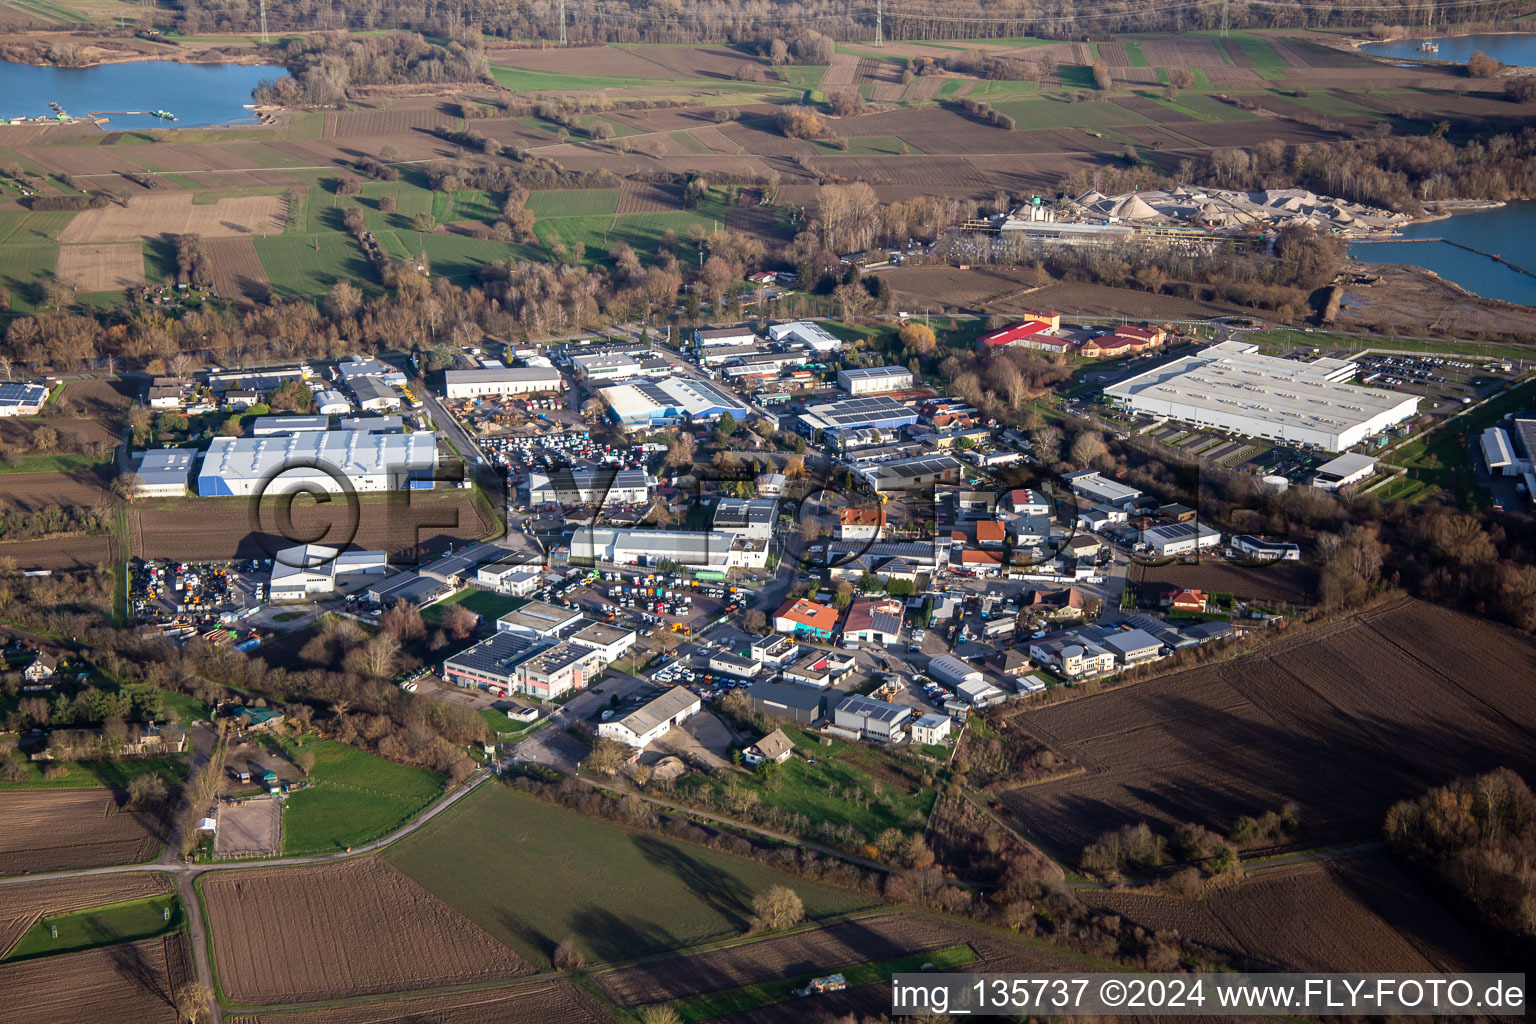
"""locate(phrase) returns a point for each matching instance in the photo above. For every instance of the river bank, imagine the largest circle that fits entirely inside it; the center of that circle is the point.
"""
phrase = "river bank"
(1485, 248)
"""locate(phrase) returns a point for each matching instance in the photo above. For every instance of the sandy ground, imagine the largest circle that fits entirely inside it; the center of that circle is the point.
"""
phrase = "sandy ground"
(253, 828)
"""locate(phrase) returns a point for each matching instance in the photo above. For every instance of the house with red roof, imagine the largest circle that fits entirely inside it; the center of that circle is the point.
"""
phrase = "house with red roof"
(1182, 600)
(803, 617)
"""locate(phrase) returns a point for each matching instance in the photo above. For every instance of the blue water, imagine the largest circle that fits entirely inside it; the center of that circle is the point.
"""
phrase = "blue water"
(1509, 231)
(198, 94)
(1517, 48)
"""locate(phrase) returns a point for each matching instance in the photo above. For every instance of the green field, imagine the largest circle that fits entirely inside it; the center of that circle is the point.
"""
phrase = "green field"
(1133, 53)
(771, 993)
(874, 145)
(1440, 458)
(100, 926)
(19, 227)
(53, 463)
(483, 603)
(105, 774)
(533, 874)
(823, 792)
(21, 266)
(353, 798)
(310, 264)
(573, 202)
(1047, 112)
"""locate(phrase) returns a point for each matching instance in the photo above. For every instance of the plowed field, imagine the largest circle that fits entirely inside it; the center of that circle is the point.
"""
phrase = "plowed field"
(1283, 582)
(132, 983)
(237, 269)
(1342, 719)
(1358, 914)
(367, 928)
(222, 528)
(82, 487)
(549, 1001)
(101, 268)
(65, 553)
(23, 903)
(63, 829)
(848, 942)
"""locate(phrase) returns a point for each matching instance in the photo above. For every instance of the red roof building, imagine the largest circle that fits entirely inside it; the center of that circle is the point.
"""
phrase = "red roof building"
(990, 533)
(1187, 600)
(1014, 335)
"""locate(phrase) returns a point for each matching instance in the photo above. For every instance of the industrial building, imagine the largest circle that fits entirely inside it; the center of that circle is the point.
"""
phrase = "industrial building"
(801, 704)
(1100, 490)
(305, 570)
(163, 472)
(18, 398)
(653, 719)
(525, 664)
(812, 335)
(1349, 468)
(537, 619)
(606, 366)
(360, 367)
(803, 617)
(507, 380)
(277, 425)
(313, 460)
(874, 620)
(373, 424)
(598, 486)
(1231, 387)
(1173, 539)
(835, 418)
(700, 549)
(875, 380)
(870, 718)
(646, 404)
(513, 580)
(951, 671)
(901, 474)
(374, 394)
(723, 336)
(611, 642)
(327, 403)
(753, 518)
(1033, 334)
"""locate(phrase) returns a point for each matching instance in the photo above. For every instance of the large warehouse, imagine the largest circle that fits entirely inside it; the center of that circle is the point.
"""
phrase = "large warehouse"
(162, 472)
(505, 380)
(874, 380)
(707, 549)
(18, 398)
(646, 403)
(1231, 387)
(369, 462)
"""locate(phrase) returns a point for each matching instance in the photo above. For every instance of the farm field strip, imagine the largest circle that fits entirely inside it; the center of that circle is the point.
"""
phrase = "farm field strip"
(139, 981)
(56, 830)
(26, 902)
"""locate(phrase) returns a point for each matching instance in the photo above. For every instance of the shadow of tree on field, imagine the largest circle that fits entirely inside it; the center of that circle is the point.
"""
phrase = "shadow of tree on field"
(611, 937)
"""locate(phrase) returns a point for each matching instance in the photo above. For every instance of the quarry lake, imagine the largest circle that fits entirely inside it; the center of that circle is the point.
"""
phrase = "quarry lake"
(1508, 231)
(1517, 48)
(198, 94)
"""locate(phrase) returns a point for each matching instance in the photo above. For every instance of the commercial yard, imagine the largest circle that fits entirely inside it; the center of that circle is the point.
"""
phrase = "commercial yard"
(619, 893)
(58, 830)
(352, 928)
(1343, 720)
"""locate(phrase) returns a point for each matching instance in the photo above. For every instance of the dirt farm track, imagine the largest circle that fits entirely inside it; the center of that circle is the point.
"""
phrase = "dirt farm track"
(63, 829)
(1342, 719)
(368, 929)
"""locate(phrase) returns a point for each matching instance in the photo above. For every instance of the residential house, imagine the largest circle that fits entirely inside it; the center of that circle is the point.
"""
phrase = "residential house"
(932, 729)
(1183, 600)
(975, 504)
(40, 668)
(1024, 501)
(774, 748)
(860, 523)
(516, 580)
(1065, 603)
(1072, 656)
(991, 533)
